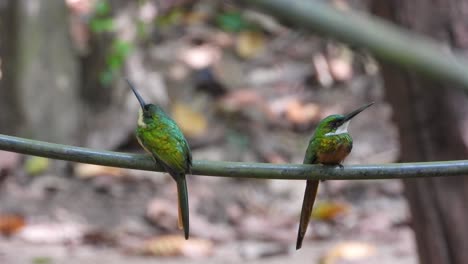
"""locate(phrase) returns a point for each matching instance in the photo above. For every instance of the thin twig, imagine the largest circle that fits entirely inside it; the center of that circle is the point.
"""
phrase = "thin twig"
(237, 169)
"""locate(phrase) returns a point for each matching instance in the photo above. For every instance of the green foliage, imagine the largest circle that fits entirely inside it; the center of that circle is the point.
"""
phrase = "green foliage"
(106, 77)
(173, 17)
(120, 50)
(232, 21)
(102, 8)
(142, 30)
(99, 25)
(115, 60)
(101, 21)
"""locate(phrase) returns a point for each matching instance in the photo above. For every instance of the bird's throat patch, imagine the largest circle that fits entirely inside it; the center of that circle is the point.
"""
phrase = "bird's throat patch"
(340, 130)
(141, 123)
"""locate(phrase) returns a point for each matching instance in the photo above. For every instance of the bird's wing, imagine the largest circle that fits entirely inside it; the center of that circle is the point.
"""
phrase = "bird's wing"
(168, 150)
(182, 144)
(311, 152)
(188, 157)
(173, 159)
(309, 194)
(175, 162)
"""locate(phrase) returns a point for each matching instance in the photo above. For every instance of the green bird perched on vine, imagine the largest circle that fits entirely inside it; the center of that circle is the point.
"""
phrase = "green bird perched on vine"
(159, 135)
(329, 145)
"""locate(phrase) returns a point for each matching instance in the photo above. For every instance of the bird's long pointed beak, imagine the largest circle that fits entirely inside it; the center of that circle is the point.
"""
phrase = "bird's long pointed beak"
(356, 112)
(138, 96)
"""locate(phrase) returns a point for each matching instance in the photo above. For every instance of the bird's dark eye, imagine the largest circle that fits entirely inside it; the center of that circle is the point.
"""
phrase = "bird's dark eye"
(146, 111)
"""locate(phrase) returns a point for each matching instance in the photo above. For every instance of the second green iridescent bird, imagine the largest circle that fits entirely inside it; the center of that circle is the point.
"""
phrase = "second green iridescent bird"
(329, 145)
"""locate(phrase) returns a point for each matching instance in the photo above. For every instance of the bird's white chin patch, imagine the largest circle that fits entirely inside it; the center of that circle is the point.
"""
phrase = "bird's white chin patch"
(340, 130)
(141, 123)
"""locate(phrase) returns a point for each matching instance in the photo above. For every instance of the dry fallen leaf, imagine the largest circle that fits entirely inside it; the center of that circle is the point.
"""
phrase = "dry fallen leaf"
(299, 113)
(195, 17)
(277, 107)
(341, 69)
(265, 228)
(9, 160)
(192, 123)
(162, 213)
(238, 100)
(200, 57)
(11, 223)
(257, 250)
(348, 251)
(222, 39)
(276, 158)
(329, 210)
(322, 70)
(51, 233)
(203, 227)
(172, 245)
(90, 170)
(341, 5)
(98, 237)
(250, 43)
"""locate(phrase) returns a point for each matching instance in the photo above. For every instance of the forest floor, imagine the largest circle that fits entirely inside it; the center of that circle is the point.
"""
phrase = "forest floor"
(365, 222)
(238, 94)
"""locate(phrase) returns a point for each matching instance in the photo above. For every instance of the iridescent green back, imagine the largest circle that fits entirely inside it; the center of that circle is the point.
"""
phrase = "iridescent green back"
(163, 138)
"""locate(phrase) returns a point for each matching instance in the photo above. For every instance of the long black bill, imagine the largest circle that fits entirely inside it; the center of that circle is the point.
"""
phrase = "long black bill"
(138, 96)
(355, 112)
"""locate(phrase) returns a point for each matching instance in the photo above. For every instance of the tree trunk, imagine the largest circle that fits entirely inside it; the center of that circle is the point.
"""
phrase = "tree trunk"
(46, 71)
(44, 93)
(9, 112)
(431, 121)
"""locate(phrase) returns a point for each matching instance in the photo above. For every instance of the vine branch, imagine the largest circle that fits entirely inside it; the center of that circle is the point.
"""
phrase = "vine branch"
(382, 38)
(237, 169)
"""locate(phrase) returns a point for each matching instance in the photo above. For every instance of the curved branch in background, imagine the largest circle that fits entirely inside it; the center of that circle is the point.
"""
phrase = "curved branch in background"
(383, 39)
(237, 169)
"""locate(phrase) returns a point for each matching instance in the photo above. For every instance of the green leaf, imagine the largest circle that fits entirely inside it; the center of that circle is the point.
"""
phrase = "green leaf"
(36, 165)
(122, 48)
(99, 25)
(142, 30)
(114, 62)
(106, 77)
(42, 260)
(102, 8)
(174, 17)
(232, 21)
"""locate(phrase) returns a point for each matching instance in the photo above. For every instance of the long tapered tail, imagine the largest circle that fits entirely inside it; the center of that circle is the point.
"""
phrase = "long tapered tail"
(307, 205)
(182, 195)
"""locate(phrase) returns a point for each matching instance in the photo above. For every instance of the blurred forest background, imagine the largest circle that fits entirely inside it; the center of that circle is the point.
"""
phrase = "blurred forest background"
(243, 86)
